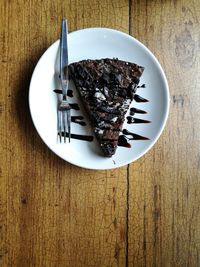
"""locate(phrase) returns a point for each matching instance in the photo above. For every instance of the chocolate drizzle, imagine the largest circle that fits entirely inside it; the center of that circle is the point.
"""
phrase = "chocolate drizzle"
(138, 98)
(59, 91)
(135, 110)
(134, 136)
(74, 106)
(69, 93)
(142, 86)
(78, 120)
(131, 119)
(126, 136)
(122, 141)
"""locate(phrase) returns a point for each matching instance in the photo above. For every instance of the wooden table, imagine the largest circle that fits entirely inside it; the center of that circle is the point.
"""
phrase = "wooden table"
(143, 214)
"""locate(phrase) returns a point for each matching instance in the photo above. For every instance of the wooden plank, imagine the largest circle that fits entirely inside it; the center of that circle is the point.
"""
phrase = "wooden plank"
(52, 213)
(164, 214)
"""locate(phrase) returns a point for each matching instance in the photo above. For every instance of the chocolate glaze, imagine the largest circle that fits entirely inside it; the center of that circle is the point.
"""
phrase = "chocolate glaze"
(69, 93)
(78, 120)
(122, 141)
(135, 110)
(59, 91)
(88, 138)
(141, 86)
(138, 98)
(134, 136)
(74, 106)
(131, 119)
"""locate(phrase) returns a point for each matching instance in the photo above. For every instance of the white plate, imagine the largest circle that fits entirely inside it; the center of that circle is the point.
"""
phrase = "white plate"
(97, 43)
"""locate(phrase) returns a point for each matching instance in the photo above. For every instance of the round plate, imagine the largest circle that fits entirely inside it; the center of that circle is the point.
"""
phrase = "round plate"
(97, 43)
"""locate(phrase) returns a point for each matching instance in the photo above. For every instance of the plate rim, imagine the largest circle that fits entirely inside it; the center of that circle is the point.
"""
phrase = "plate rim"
(165, 114)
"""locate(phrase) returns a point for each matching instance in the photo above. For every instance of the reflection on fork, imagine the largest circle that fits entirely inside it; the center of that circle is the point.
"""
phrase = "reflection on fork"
(64, 120)
(64, 109)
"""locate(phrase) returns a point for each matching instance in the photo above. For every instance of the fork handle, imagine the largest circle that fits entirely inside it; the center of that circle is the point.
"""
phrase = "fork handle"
(64, 58)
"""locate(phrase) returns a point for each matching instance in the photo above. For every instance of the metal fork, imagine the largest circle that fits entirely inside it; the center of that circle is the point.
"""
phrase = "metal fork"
(64, 110)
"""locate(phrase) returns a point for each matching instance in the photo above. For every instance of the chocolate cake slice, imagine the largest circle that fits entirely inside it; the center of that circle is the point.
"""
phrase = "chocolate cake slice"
(107, 88)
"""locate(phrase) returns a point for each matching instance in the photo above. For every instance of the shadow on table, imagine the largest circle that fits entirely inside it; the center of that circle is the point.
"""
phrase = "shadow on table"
(23, 115)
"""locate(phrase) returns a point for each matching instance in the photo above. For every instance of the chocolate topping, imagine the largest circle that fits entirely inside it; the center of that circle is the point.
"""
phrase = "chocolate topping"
(106, 87)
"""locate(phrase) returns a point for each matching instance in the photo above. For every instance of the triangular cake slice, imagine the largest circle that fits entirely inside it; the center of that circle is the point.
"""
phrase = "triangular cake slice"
(107, 88)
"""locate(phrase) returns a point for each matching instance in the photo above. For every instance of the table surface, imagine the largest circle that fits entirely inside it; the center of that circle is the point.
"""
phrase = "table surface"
(143, 214)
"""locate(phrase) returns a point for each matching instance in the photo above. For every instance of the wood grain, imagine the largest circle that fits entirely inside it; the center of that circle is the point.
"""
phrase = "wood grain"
(164, 196)
(56, 214)
(52, 213)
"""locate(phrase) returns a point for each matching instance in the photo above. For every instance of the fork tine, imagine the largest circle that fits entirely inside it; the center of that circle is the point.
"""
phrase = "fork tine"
(65, 134)
(64, 125)
(60, 125)
(69, 123)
